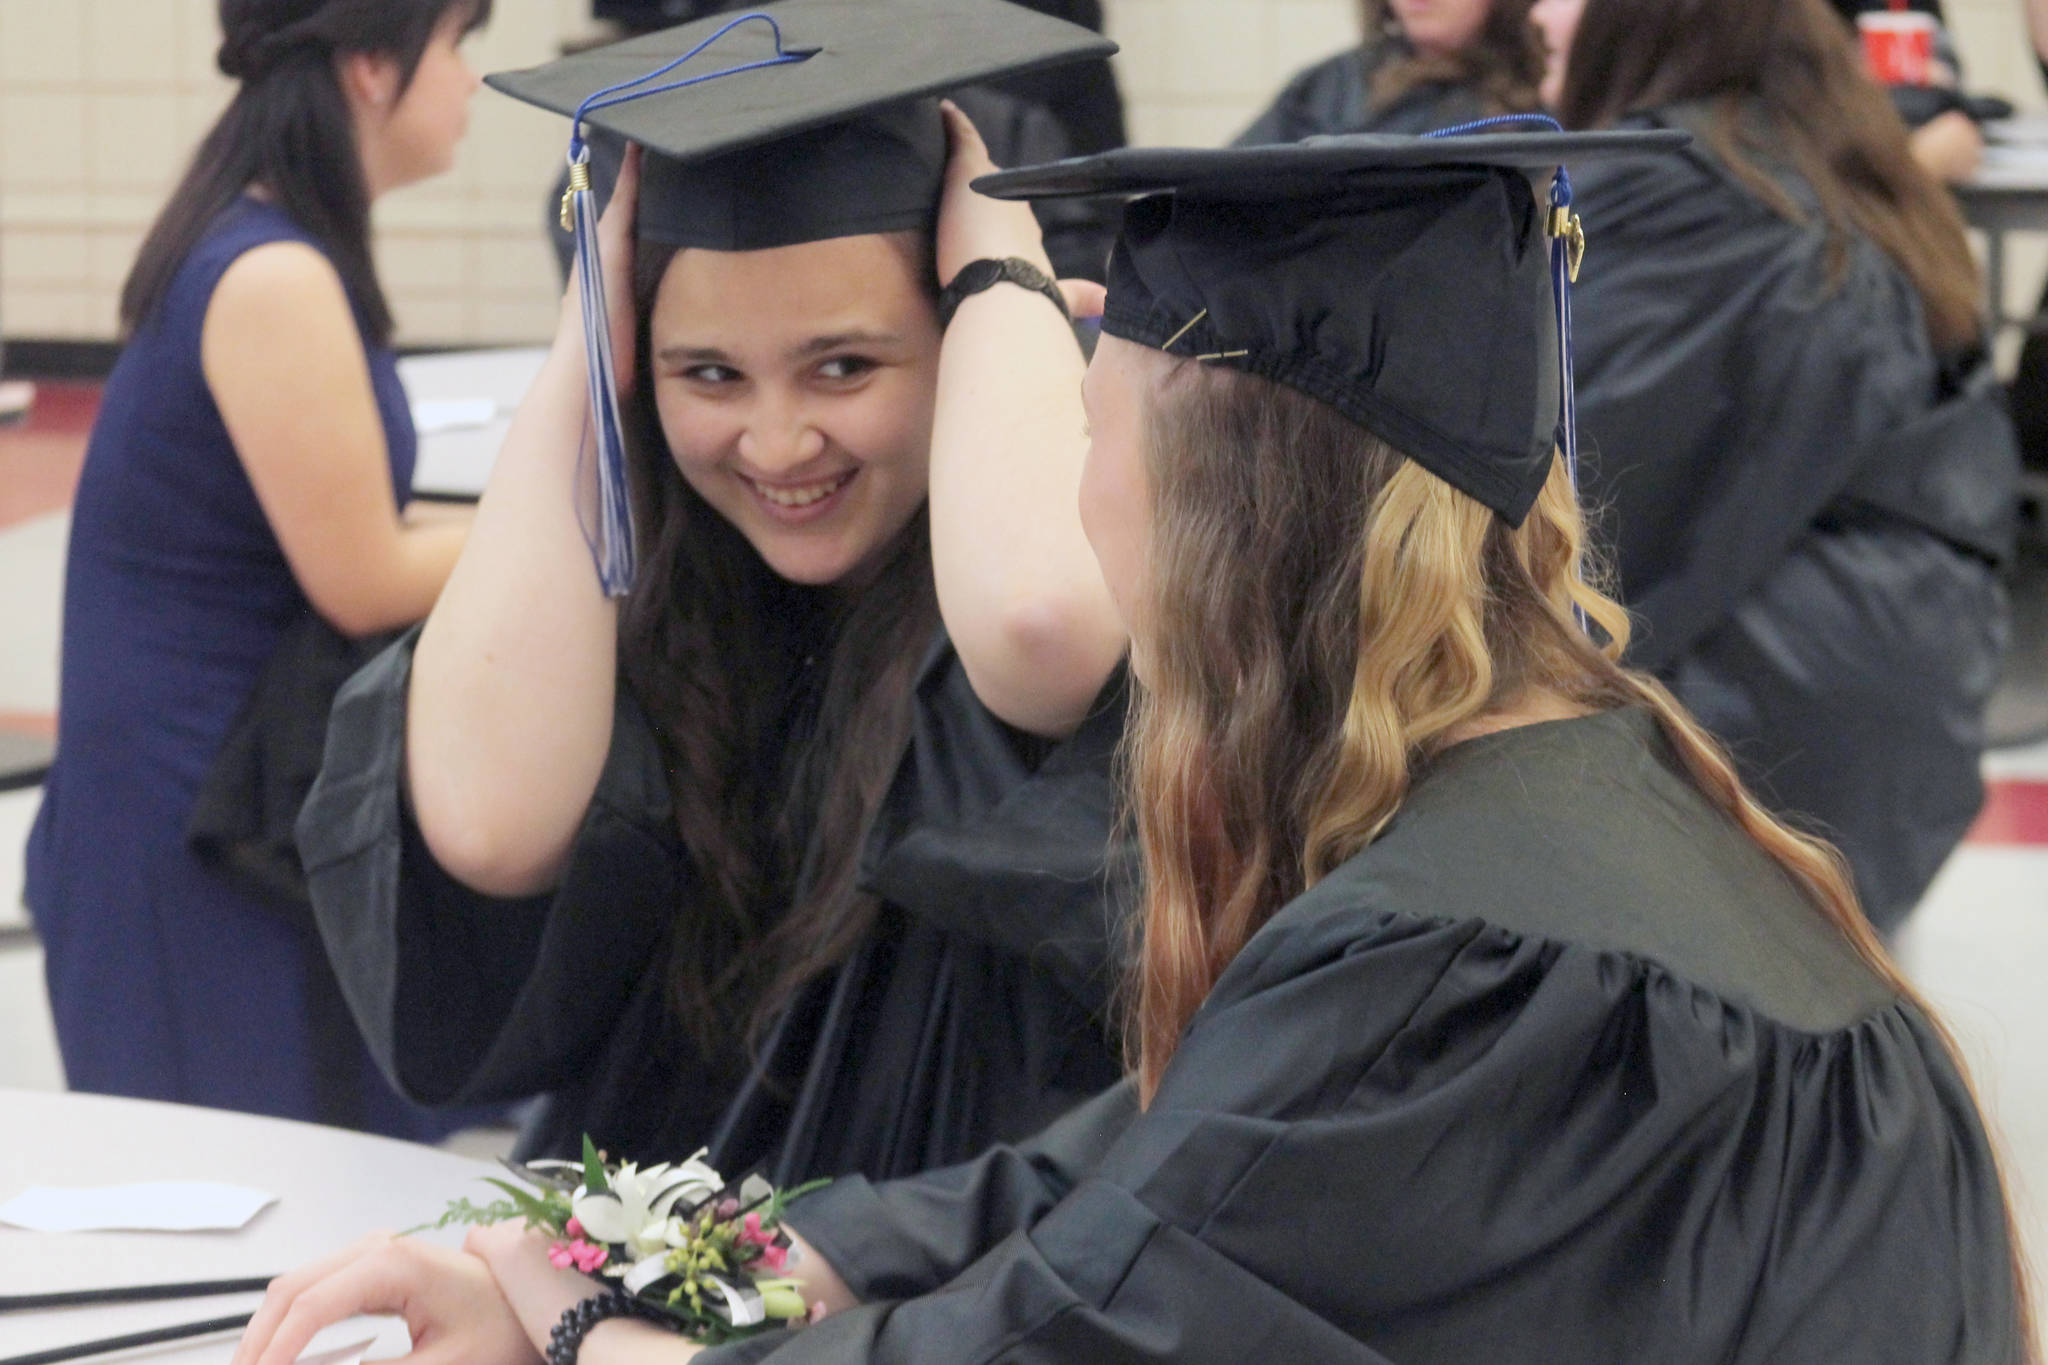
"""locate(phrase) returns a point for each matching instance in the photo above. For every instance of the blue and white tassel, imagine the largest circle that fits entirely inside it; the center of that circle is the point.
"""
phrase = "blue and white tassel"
(611, 537)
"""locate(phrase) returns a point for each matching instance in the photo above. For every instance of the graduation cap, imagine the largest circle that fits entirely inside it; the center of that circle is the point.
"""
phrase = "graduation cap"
(1414, 284)
(799, 121)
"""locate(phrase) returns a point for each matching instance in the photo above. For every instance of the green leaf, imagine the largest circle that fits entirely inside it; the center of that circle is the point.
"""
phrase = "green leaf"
(782, 1199)
(462, 1213)
(593, 1168)
(539, 1211)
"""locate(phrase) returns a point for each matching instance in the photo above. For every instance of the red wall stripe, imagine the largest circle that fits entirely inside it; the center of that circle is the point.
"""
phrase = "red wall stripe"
(2015, 813)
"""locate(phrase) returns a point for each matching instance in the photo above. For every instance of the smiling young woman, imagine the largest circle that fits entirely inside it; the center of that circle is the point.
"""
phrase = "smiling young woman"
(796, 386)
(797, 851)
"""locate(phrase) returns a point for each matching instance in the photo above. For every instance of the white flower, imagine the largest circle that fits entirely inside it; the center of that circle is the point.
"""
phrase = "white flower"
(699, 1181)
(637, 1203)
(644, 1273)
(635, 1210)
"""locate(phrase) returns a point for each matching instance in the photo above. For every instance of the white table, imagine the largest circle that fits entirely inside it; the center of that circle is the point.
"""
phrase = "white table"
(2008, 194)
(456, 463)
(332, 1187)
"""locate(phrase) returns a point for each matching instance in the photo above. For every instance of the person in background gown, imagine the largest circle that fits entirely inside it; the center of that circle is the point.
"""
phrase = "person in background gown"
(1424, 65)
(1482, 1015)
(251, 464)
(1792, 427)
(800, 851)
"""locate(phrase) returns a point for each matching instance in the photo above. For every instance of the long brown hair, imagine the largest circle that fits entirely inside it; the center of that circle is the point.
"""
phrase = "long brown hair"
(288, 129)
(1370, 611)
(1504, 64)
(1787, 88)
(782, 710)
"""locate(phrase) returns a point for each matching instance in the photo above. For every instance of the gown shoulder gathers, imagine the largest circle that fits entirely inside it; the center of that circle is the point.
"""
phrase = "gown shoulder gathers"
(1561, 1068)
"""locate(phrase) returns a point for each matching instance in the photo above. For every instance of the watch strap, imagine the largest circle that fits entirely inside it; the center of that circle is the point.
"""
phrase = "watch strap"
(977, 276)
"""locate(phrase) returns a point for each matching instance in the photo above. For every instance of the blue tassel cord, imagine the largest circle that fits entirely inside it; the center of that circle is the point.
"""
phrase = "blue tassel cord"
(608, 527)
(1567, 251)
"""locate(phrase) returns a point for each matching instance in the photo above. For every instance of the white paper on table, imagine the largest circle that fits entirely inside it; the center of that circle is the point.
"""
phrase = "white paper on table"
(430, 416)
(157, 1206)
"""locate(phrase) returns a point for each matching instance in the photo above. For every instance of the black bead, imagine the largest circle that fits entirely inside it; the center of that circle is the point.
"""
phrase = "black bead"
(567, 1337)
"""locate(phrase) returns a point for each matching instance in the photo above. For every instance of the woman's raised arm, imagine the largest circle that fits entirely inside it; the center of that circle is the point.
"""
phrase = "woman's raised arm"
(1018, 586)
(510, 712)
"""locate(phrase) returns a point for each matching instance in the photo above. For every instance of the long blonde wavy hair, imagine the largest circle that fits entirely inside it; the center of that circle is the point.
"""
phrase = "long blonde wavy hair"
(1370, 613)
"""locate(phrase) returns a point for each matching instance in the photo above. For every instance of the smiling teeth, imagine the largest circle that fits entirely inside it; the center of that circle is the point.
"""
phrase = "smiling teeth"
(802, 497)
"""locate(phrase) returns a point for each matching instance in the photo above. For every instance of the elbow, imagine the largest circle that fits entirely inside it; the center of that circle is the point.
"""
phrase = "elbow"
(1040, 663)
(358, 608)
(479, 845)
(355, 620)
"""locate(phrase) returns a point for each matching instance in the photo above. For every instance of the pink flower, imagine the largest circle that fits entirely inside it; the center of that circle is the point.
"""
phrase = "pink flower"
(773, 1256)
(574, 1228)
(751, 1232)
(587, 1257)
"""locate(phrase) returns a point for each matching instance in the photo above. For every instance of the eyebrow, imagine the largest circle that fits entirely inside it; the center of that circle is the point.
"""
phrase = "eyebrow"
(839, 341)
(816, 346)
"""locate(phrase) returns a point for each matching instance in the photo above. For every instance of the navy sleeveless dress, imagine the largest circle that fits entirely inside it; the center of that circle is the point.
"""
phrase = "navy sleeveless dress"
(166, 982)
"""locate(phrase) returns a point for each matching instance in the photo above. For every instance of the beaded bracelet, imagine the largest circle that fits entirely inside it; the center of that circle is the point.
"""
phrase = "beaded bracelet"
(567, 1337)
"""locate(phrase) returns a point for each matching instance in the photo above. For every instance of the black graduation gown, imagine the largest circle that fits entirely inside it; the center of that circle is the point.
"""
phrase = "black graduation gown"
(973, 1013)
(1562, 1068)
(1336, 96)
(1805, 504)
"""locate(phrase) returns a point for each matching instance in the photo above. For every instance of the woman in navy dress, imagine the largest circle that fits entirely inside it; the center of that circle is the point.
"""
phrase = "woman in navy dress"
(251, 464)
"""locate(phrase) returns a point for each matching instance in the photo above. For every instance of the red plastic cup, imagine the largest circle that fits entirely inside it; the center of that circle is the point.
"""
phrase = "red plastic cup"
(1898, 45)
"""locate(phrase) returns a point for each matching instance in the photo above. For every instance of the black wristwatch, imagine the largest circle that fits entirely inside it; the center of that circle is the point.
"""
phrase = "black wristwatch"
(976, 276)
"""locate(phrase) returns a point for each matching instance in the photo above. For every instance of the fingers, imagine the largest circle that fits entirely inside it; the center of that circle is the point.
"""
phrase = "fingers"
(969, 155)
(364, 1286)
(1085, 298)
(278, 1298)
(447, 1299)
(617, 220)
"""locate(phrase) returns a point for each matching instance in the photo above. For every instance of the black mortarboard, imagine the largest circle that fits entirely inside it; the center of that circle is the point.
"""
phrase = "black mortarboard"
(799, 121)
(1415, 284)
(821, 133)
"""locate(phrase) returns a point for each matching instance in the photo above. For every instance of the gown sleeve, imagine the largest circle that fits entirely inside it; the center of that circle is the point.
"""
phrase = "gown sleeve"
(463, 997)
(907, 1237)
(1008, 841)
(1405, 1140)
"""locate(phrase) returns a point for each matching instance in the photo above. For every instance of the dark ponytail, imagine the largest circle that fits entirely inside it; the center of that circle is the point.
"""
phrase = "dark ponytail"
(289, 130)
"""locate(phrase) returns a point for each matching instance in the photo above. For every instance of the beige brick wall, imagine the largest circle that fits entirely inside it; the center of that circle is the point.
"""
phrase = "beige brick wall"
(102, 101)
